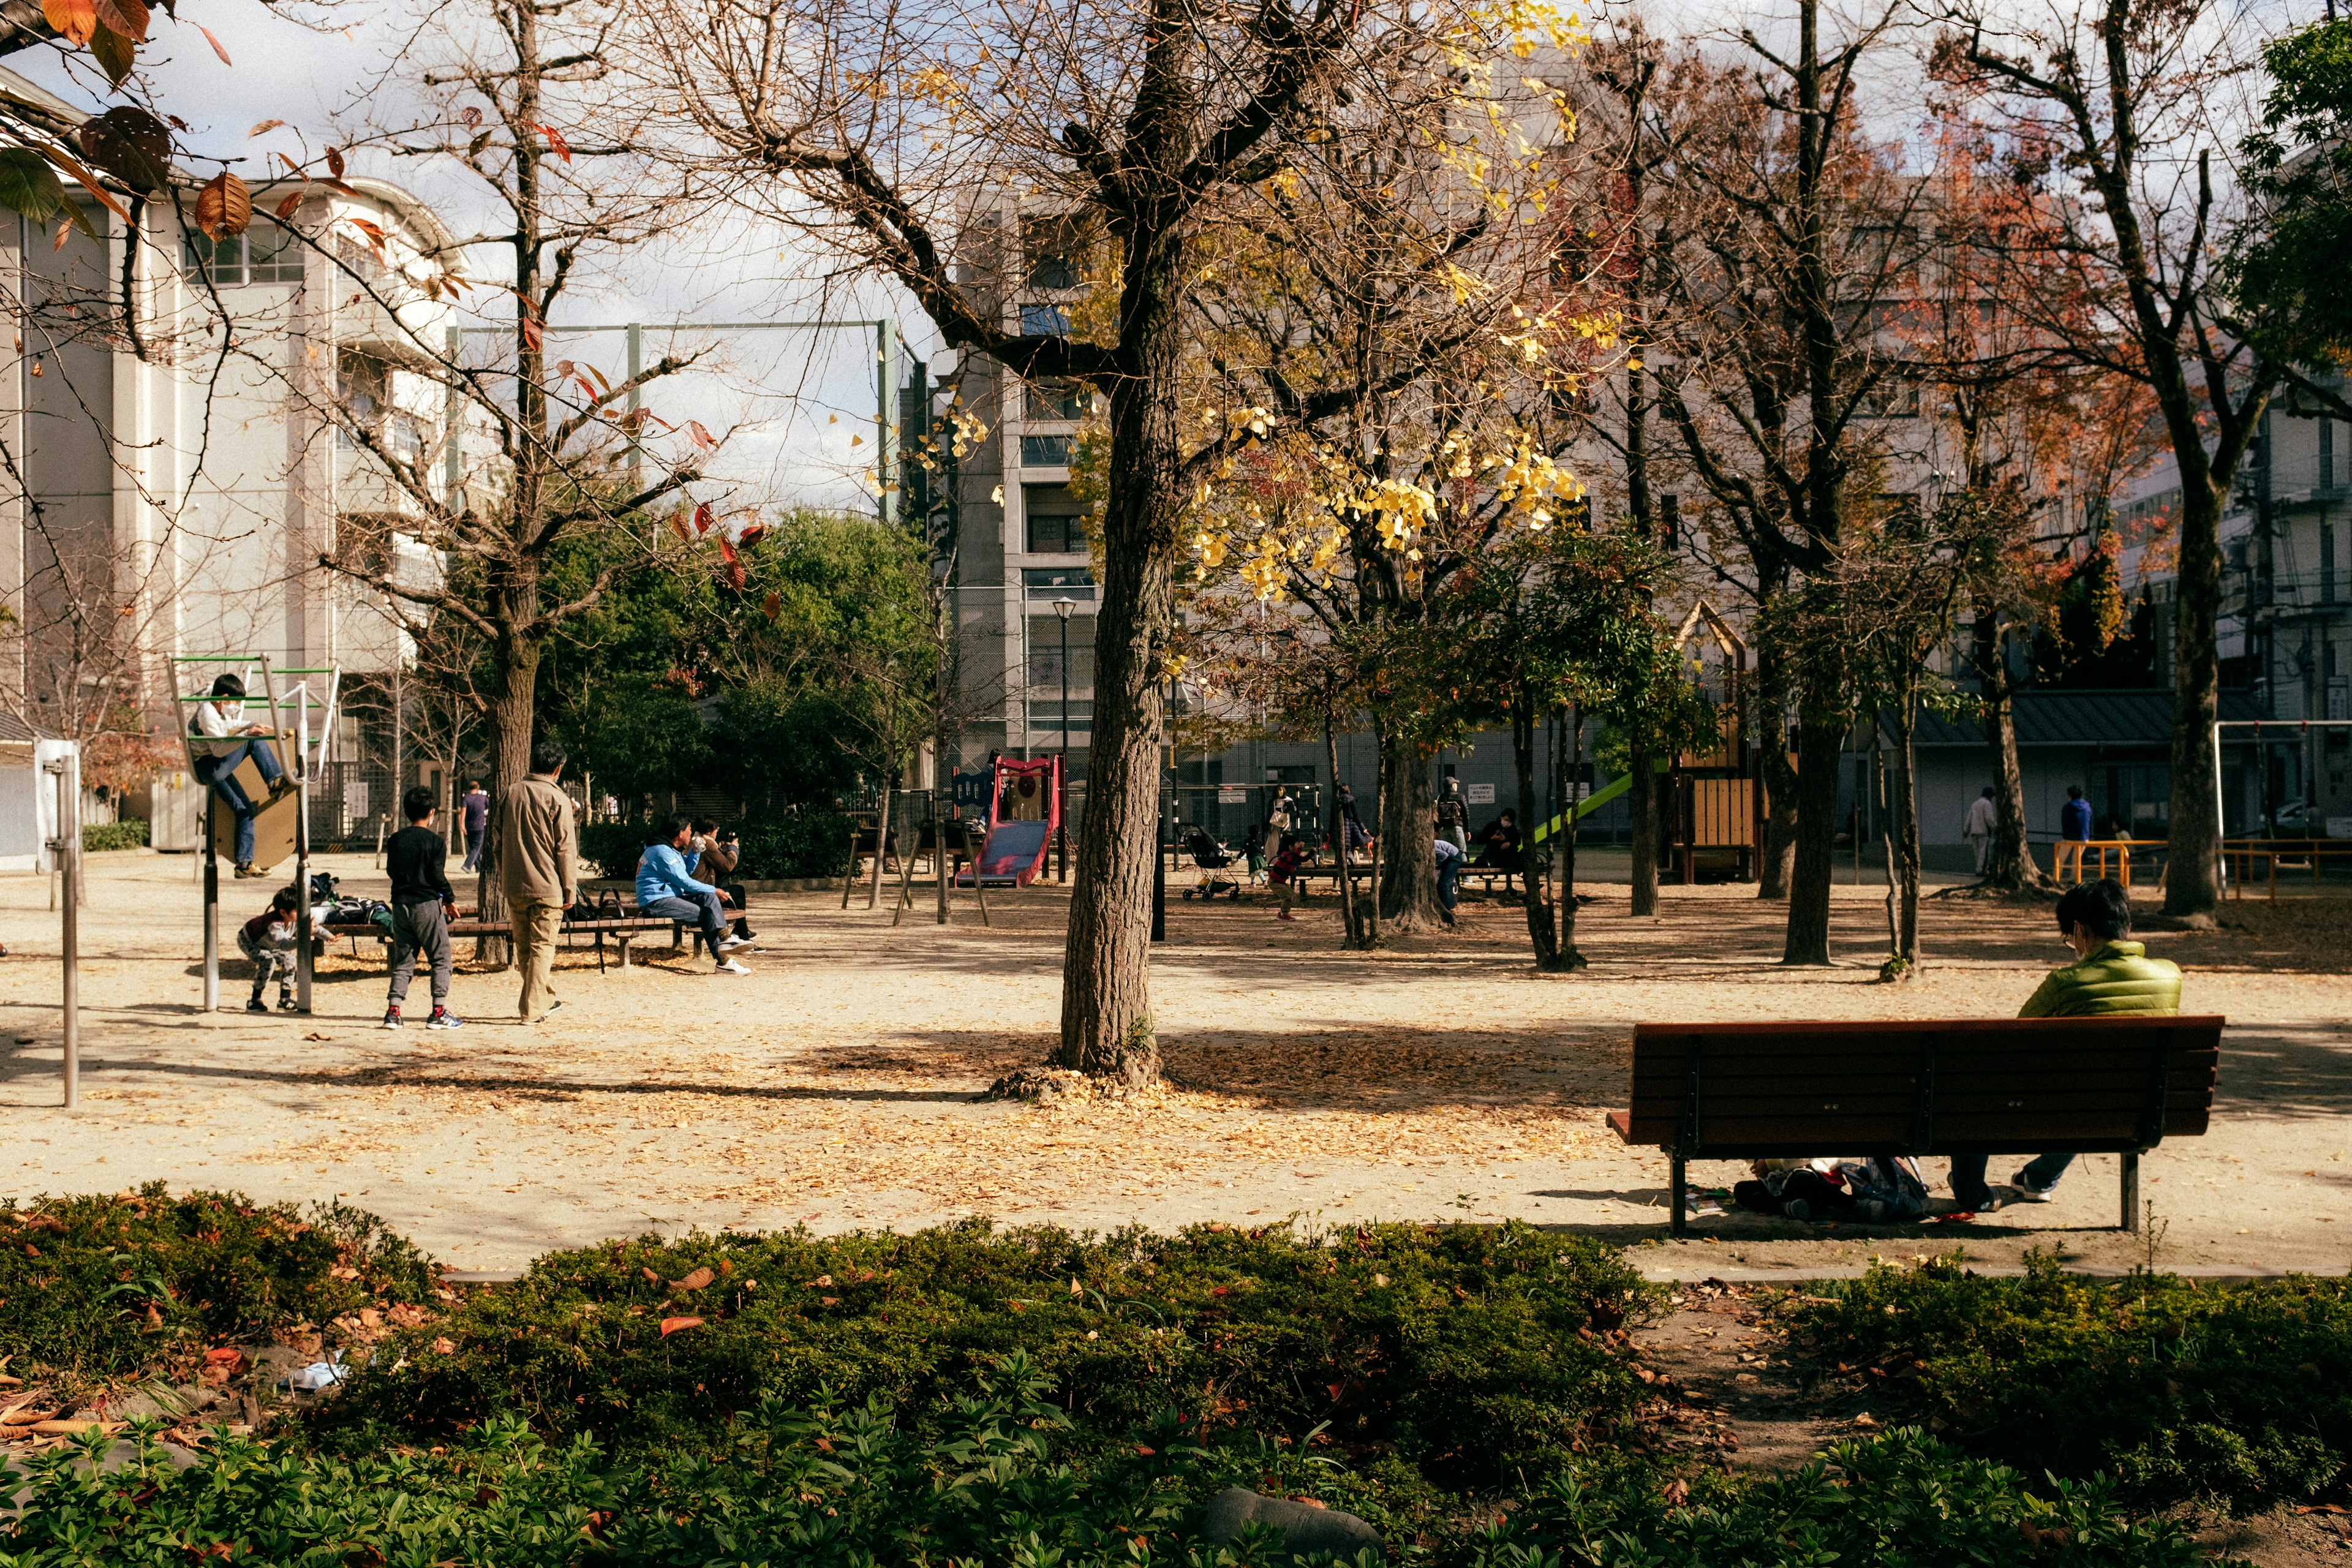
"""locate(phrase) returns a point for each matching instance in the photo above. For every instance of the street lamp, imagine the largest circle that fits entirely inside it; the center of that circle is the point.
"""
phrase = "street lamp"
(1062, 608)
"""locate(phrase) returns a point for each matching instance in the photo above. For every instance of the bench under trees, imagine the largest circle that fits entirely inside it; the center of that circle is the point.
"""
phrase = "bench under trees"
(1992, 1085)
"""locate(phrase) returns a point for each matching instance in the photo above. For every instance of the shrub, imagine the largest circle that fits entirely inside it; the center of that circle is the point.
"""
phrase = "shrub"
(849, 1487)
(813, 844)
(2241, 1394)
(1899, 1501)
(129, 833)
(103, 1289)
(1456, 1350)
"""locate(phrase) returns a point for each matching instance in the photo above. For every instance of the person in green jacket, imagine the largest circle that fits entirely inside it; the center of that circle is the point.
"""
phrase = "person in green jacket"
(2112, 975)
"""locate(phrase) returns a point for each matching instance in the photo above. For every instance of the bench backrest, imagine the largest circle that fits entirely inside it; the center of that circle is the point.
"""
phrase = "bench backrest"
(1987, 1086)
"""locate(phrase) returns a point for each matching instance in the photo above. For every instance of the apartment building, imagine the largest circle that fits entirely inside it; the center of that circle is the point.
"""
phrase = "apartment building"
(179, 471)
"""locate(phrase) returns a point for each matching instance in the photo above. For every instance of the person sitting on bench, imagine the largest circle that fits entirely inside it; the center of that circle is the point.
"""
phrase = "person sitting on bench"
(668, 891)
(223, 717)
(2112, 977)
(712, 854)
(1498, 847)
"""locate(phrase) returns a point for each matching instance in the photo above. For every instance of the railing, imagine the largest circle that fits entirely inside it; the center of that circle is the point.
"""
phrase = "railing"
(2244, 852)
(2121, 848)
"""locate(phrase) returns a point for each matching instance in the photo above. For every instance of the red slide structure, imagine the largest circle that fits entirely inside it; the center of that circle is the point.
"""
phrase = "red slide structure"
(1024, 811)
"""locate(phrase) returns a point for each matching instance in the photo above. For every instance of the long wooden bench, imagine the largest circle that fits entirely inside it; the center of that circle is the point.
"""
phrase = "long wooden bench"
(1974, 1085)
(623, 928)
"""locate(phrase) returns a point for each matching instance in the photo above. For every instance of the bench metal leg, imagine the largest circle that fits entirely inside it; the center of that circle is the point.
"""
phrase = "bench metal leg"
(2131, 1193)
(1676, 1180)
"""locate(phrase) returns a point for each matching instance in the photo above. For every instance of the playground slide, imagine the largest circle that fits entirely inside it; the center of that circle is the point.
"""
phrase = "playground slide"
(1590, 803)
(1013, 853)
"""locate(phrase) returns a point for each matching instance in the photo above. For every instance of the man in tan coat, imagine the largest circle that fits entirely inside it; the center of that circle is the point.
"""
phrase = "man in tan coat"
(538, 850)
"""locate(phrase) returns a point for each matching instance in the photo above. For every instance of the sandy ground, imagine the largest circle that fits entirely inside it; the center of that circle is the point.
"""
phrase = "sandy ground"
(1439, 1078)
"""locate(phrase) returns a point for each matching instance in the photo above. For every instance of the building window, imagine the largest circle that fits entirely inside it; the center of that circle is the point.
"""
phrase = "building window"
(1059, 400)
(1056, 522)
(1044, 318)
(2327, 560)
(364, 386)
(1046, 451)
(2326, 454)
(1043, 585)
(1891, 396)
(1050, 245)
(262, 254)
(361, 386)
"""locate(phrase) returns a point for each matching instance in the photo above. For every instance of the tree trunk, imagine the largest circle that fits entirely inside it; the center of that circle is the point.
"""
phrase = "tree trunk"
(1820, 742)
(1408, 818)
(1342, 884)
(1887, 838)
(2191, 882)
(512, 713)
(1541, 931)
(1107, 1026)
(1778, 853)
(881, 842)
(2009, 864)
(1643, 797)
(1906, 832)
(1572, 769)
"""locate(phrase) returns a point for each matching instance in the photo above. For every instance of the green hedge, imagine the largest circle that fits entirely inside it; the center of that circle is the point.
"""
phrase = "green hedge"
(2239, 1394)
(849, 1487)
(102, 1289)
(1455, 1351)
(813, 845)
(129, 833)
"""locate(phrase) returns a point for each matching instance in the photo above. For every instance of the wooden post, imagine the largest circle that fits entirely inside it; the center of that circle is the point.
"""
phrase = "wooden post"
(2131, 1192)
(1680, 1226)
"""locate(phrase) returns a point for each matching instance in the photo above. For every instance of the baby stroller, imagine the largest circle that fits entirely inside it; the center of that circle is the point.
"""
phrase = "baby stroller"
(1210, 856)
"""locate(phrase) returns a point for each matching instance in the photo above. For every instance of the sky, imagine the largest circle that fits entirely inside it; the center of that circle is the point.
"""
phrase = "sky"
(798, 406)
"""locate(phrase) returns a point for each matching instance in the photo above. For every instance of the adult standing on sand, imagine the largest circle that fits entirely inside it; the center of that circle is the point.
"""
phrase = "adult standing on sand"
(538, 850)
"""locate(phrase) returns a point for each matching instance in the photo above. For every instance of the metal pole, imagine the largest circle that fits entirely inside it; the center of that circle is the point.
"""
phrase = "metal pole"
(885, 333)
(212, 904)
(2220, 817)
(301, 845)
(1159, 836)
(67, 771)
(452, 417)
(636, 429)
(1062, 828)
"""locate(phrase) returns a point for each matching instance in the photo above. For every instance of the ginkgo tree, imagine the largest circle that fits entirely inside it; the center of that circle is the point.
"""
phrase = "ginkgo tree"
(894, 133)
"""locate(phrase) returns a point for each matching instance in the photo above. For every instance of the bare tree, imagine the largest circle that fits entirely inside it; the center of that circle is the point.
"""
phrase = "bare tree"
(551, 450)
(2111, 106)
(1774, 381)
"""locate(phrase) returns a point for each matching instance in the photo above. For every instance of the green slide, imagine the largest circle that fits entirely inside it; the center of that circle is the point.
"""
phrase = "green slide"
(1591, 803)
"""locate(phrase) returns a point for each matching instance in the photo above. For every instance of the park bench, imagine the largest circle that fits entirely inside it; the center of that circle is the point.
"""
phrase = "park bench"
(1988, 1086)
(623, 928)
